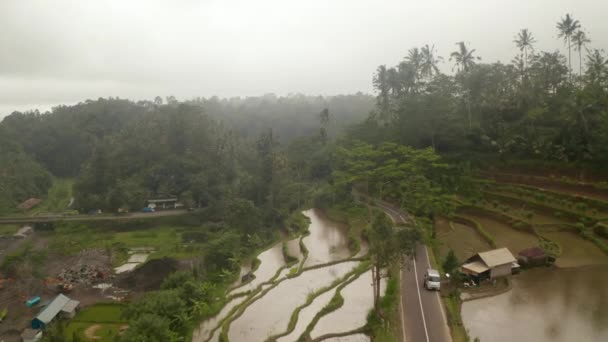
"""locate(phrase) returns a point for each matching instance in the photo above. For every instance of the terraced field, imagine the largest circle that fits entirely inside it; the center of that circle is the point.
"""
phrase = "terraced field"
(519, 211)
(308, 287)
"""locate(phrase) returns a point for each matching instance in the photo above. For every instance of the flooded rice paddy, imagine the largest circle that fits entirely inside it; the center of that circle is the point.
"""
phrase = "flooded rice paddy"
(462, 239)
(271, 260)
(576, 251)
(327, 240)
(545, 304)
(358, 299)
(506, 236)
(270, 313)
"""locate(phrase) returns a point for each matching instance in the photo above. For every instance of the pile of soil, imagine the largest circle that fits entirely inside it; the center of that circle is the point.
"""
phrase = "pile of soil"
(149, 276)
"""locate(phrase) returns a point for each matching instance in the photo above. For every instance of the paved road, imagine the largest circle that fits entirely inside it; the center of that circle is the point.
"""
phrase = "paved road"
(53, 218)
(422, 314)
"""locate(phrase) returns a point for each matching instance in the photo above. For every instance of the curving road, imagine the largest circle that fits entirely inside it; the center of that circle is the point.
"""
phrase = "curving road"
(422, 315)
(54, 218)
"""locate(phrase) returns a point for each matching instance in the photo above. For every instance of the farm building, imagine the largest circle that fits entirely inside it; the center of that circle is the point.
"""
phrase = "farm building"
(164, 203)
(60, 305)
(490, 264)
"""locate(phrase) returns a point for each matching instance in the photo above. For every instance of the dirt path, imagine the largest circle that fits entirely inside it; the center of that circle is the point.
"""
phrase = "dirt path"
(89, 332)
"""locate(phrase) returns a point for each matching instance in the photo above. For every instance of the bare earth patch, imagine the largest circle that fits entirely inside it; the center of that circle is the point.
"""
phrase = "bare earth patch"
(89, 332)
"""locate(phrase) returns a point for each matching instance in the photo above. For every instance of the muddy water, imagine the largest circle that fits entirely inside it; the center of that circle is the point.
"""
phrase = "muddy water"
(272, 259)
(327, 240)
(202, 333)
(506, 236)
(307, 314)
(462, 239)
(270, 314)
(576, 251)
(358, 300)
(544, 305)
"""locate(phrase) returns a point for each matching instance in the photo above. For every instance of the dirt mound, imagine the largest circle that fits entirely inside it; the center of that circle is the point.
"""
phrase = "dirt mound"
(149, 276)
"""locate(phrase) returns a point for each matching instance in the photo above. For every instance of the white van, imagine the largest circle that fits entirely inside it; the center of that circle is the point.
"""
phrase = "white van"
(432, 280)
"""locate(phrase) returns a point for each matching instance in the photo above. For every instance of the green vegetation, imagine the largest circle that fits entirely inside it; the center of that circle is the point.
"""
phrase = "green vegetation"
(389, 329)
(57, 199)
(356, 218)
(108, 319)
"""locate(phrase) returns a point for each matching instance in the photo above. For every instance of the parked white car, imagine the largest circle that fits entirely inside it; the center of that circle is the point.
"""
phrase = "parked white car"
(432, 280)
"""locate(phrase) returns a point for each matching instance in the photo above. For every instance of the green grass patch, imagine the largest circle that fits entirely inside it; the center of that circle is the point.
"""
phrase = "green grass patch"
(101, 313)
(8, 229)
(452, 304)
(107, 315)
(387, 330)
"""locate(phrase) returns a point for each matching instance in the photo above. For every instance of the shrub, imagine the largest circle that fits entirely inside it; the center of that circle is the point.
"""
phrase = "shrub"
(580, 206)
(601, 230)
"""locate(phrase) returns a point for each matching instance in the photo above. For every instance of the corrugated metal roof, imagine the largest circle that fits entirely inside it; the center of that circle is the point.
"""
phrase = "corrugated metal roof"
(476, 267)
(70, 306)
(52, 309)
(497, 257)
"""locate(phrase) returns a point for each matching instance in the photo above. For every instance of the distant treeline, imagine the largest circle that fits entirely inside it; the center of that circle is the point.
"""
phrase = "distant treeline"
(122, 152)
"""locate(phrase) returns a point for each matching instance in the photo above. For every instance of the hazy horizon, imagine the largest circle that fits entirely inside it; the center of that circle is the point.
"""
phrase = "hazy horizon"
(67, 52)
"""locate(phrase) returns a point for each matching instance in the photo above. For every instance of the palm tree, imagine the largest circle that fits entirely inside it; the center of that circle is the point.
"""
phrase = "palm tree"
(566, 28)
(597, 66)
(382, 85)
(525, 41)
(463, 57)
(415, 59)
(429, 61)
(465, 61)
(580, 39)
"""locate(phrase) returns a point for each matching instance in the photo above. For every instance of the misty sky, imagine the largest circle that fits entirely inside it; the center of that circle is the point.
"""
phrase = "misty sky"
(55, 52)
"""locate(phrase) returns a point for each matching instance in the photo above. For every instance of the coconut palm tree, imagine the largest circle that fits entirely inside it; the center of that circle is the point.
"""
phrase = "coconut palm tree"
(429, 61)
(597, 66)
(382, 85)
(415, 59)
(525, 41)
(566, 28)
(463, 57)
(580, 40)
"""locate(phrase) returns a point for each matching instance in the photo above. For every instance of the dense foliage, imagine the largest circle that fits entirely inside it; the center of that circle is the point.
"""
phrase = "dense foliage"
(20, 176)
(536, 107)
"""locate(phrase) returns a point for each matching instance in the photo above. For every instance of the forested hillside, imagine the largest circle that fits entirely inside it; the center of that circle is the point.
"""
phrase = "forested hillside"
(20, 176)
(202, 151)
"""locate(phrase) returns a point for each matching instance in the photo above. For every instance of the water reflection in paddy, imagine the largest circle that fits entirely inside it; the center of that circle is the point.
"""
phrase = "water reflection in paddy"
(545, 304)
(270, 314)
(327, 240)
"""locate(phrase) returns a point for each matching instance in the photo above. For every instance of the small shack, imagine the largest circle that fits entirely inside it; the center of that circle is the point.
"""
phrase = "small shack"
(164, 203)
(490, 264)
(534, 256)
(29, 203)
(60, 305)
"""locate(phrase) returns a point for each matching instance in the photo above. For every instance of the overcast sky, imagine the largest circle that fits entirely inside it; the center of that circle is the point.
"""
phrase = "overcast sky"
(55, 52)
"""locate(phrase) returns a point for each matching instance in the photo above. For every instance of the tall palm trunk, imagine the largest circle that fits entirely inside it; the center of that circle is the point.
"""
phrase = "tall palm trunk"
(569, 60)
(580, 67)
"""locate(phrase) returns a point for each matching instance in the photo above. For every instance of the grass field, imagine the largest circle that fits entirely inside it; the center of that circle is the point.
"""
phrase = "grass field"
(106, 317)
(8, 229)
